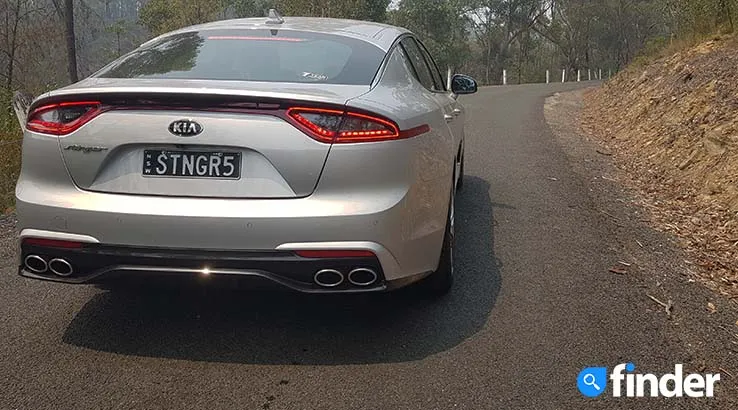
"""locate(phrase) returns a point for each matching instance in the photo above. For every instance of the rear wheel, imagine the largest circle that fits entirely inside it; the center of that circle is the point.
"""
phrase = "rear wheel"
(440, 281)
(460, 172)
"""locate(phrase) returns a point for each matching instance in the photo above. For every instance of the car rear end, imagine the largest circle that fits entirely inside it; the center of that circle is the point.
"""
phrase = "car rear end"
(193, 157)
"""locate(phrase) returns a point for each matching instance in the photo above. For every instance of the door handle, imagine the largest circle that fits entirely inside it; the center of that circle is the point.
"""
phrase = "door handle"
(448, 117)
(457, 111)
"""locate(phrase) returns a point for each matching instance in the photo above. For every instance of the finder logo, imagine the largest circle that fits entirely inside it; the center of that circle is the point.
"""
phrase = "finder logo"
(592, 382)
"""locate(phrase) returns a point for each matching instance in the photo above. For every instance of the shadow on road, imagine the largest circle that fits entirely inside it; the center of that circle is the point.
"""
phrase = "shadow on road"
(267, 328)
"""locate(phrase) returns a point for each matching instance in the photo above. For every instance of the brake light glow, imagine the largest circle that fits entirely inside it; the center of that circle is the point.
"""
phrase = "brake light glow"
(336, 126)
(321, 123)
(63, 118)
(287, 39)
(52, 243)
(338, 253)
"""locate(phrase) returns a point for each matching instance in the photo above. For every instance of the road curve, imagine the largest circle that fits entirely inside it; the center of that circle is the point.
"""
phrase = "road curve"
(532, 306)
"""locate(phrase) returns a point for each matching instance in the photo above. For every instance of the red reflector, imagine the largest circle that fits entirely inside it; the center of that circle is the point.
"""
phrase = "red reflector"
(334, 254)
(52, 243)
(414, 132)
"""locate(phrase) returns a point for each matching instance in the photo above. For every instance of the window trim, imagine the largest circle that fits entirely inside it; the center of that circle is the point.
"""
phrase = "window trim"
(432, 64)
(412, 63)
(398, 44)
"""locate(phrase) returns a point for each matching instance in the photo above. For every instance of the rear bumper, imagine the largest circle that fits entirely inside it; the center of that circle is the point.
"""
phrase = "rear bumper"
(390, 207)
(406, 243)
(94, 263)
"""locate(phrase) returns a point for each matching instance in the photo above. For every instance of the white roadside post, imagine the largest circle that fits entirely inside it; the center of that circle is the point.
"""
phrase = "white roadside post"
(600, 77)
(548, 76)
(579, 75)
(504, 77)
(563, 75)
(589, 74)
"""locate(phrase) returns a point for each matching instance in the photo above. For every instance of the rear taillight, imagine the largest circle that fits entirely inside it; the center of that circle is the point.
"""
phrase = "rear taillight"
(336, 126)
(334, 253)
(52, 243)
(62, 118)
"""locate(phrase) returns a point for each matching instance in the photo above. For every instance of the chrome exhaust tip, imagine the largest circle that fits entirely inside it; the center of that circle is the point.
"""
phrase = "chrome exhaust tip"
(35, 264)
(362, 277)
(61, 267)
(328, 278)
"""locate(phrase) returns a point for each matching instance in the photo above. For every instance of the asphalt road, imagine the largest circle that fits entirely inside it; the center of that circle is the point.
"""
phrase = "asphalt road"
(533, 304)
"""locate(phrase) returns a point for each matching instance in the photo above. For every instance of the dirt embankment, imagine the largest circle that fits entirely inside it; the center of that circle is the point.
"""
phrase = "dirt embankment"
(672, 127)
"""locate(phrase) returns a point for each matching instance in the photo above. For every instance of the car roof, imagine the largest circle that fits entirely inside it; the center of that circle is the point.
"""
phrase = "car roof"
(381, 35)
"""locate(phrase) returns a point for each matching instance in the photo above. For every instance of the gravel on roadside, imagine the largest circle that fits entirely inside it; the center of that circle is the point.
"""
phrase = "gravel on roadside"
(698, 318)
(8, 237)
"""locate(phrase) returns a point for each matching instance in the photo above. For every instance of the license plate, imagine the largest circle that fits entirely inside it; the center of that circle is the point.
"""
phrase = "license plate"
(192, 164)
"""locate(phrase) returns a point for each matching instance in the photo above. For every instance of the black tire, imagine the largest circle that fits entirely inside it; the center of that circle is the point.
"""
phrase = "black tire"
(440, 282)
(460, 182)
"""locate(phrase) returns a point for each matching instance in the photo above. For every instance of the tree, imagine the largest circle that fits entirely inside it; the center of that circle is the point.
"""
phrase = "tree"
(71, 43)
(440, 25)
(372, 10)
(498, 24)
(161, 16)
(66, 13)
(250, 8)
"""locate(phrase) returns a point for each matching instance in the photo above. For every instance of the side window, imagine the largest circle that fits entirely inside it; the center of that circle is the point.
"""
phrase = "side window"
(437, 77)
(418, 62)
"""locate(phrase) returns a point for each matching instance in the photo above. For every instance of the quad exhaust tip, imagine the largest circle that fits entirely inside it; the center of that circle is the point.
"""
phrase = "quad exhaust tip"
(36, 264)
(328, 278)
(362, 277)
(61, 267)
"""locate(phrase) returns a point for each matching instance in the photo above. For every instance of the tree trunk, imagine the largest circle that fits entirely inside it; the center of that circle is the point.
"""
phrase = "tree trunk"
(13, 46)
(71, 43)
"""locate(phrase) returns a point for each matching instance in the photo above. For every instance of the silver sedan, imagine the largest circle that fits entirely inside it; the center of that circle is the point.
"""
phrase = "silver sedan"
(316, 154)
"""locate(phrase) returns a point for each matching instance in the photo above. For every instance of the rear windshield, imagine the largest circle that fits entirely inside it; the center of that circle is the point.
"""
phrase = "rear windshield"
(252, 55)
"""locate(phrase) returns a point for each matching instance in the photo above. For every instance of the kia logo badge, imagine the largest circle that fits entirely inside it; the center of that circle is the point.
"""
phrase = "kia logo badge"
(185, 128)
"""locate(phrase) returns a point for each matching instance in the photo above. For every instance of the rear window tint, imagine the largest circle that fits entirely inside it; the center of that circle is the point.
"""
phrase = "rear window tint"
(252, 55)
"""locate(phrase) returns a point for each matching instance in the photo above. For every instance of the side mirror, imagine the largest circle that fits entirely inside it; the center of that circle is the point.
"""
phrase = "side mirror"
(463, 84)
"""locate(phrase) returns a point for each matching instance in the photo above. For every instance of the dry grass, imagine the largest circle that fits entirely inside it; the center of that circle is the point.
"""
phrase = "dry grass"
(10, 154)
(673, 127)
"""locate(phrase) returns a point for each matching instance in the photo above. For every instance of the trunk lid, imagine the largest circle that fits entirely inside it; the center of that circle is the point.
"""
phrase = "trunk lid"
(123, 149)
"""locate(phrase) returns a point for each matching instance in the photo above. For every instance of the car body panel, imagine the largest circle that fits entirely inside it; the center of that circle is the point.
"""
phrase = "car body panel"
(388, 211)
(388, 197)
(269, 168)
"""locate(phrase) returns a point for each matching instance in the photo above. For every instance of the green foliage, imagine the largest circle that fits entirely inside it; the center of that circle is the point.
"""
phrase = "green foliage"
(250, 8)
(441, 26)
(371, 10)
(9, 150)
(705, 16)
(161, 16)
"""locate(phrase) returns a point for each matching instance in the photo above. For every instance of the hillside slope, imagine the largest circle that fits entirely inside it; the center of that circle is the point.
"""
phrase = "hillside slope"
(672, 127)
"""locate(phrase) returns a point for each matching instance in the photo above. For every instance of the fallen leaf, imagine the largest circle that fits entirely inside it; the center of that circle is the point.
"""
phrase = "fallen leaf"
(618, 271)
(711, 307)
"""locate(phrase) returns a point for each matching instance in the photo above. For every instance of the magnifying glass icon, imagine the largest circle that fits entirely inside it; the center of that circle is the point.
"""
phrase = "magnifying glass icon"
(589, 380)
